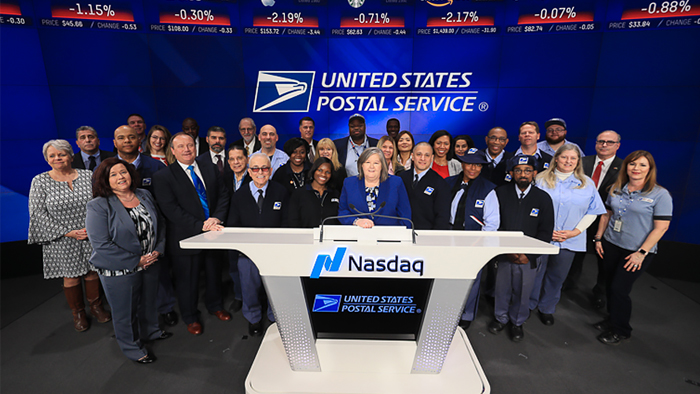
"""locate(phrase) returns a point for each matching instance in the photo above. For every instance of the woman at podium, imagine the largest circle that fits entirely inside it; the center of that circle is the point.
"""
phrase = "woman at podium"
(374, 191)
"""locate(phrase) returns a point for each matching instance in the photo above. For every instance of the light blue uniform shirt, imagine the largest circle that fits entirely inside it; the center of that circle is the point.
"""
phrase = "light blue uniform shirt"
(279, 158)
(637, 211)
(571, 205)
(544, 147)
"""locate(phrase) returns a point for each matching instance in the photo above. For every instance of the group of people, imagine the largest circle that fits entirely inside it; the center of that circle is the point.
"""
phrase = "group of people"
(118, 217)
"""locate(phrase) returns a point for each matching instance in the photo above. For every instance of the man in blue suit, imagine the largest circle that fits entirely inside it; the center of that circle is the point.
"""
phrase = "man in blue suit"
(350, 148)
(126, 142)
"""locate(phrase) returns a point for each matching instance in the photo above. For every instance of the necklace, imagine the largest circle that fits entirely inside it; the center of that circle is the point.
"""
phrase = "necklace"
(129, 200)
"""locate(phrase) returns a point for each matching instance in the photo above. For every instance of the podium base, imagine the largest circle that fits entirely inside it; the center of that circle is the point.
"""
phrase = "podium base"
(364, 367)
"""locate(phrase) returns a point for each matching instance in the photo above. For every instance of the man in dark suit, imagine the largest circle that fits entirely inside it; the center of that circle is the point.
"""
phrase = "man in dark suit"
(350, 148)
(306, 130)
(495, 170)
(603, 168)
(249, 139)
(216, 140)
(428, 193)
(191, 127)
(260, 203)
(90, 155)
(193, 199)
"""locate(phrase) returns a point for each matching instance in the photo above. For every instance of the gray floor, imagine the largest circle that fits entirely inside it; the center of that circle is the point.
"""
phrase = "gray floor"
(41, 353)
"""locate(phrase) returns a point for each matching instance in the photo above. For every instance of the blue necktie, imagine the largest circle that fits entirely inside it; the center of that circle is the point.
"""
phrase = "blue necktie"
(200, 190)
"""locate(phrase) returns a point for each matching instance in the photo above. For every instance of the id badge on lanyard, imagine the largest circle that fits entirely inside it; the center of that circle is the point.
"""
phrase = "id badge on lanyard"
(617, 225)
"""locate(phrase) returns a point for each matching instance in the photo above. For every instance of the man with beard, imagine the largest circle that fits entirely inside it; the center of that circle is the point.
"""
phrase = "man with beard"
(216, 139)
(522, 207)
(474, 208)
(249, 139)
(555, 137)
(191, 127)
(350, 148)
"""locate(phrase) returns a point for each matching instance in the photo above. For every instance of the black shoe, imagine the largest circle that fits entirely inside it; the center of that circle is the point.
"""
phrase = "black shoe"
(598, 303)
(602, 326)
(516, 333)
(163, 335)
(465, 324)
(495, 327)
(255, 330)
(547, 318)
(170, 318)
(610, 338)
(147, 359)
(236, 306)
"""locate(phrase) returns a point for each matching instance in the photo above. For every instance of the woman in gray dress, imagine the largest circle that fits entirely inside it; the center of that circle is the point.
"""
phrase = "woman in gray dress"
(127, 236)
(57, 201)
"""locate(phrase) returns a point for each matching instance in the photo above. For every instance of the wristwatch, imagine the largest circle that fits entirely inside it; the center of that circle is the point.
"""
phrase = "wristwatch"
(643, 252)
(596, 240)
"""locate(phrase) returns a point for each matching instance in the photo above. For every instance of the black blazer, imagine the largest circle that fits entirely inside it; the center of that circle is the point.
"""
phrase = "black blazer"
(497, 175)
(78, 158)
(430, 208)
(308, 211)
(244, 208)
(179, 202)
(257, 145)
(341, 145)
(206, 158)
(284, 176)
(610, 177)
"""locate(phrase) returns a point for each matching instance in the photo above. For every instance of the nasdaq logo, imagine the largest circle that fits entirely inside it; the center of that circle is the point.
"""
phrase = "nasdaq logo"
(326, 303)
(283, 91)
(325, 261)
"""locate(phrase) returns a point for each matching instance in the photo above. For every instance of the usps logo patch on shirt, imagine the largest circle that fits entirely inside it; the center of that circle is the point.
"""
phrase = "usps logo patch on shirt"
(146, 182)
(508, 178)
(534, 212)
(546, 165)
(479, 204)
(277, 206)
(522, 160)
(472, 151)
(429, 190)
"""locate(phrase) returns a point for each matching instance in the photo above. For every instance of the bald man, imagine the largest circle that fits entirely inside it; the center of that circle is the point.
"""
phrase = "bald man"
(268, 138)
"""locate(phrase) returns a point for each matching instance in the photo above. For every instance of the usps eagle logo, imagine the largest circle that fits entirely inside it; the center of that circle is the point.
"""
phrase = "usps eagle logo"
(283, 91)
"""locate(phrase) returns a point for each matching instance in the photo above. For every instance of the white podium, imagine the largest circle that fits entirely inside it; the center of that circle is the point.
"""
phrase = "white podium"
(295, 358)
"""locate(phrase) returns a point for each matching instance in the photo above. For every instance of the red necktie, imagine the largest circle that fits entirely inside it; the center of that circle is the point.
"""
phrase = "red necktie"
(596, 173)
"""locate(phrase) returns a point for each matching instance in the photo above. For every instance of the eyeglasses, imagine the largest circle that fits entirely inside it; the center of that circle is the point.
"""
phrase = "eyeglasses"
(525, 171)
(256, 169)
(559, 130)
(604, 142)
(499, 139)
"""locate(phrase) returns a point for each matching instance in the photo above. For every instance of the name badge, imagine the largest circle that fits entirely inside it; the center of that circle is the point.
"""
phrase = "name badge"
(335, 200)
(429, 190)
(277, 206)
(146, 182)
(479, 204)
(534, 212)
(644, 199)
(508, 178)
(617, 225)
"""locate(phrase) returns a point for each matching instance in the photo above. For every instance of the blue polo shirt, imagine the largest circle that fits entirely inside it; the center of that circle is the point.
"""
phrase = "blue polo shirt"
(637, 211)
(571, 205)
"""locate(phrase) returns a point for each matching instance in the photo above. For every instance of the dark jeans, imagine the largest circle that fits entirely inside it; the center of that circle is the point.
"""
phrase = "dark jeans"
(619, 283)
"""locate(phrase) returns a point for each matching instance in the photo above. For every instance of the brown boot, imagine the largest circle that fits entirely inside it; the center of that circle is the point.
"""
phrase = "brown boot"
(92, 290)
(74, 296)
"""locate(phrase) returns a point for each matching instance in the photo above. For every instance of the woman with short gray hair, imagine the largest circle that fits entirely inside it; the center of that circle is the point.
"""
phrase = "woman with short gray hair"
(57, 209)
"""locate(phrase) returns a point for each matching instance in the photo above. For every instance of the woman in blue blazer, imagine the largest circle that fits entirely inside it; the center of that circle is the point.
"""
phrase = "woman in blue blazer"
(127, 236)
(373, 190)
